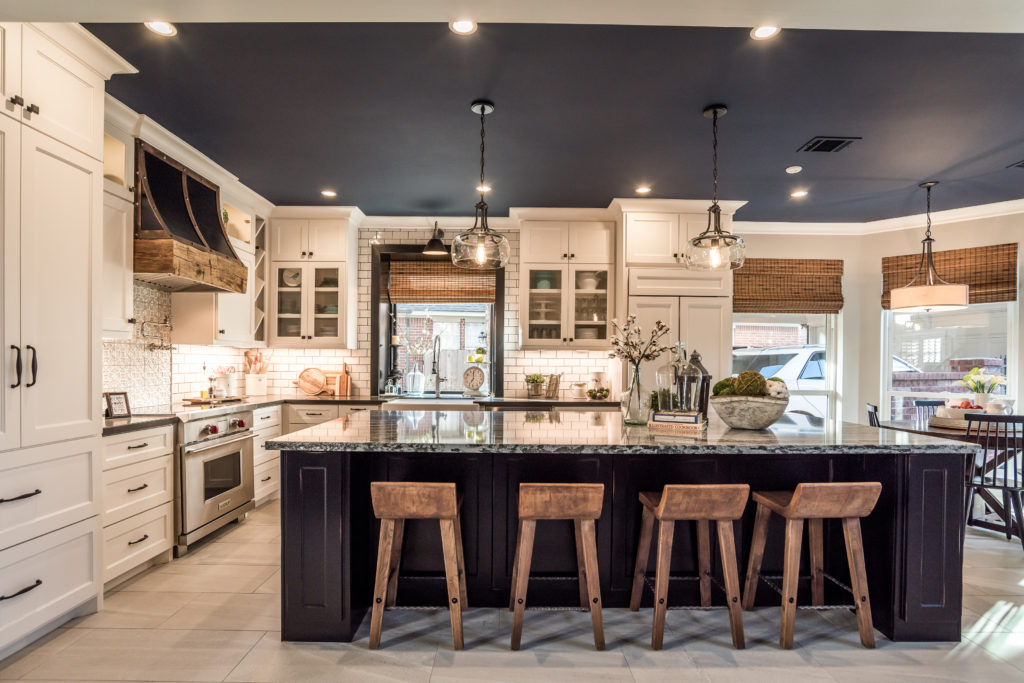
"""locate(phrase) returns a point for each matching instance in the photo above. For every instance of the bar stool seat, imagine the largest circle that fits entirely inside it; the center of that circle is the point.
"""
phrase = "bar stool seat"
(393, 503)
(721, 503)
(814, 502)
(580, 503)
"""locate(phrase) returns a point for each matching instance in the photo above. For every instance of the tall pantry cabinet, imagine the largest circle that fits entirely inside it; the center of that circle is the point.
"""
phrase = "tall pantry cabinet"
(51, 175)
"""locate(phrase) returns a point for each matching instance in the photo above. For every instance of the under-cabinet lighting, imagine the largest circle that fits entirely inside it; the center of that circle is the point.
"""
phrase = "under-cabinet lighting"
(163, 28)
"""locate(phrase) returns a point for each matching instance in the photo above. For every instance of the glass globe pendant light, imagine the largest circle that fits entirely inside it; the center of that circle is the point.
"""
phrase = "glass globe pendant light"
(481, 248)
(927, 291)
(715, 249)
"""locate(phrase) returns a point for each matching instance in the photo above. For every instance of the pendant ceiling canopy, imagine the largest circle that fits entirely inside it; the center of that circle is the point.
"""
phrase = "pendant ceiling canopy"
(927, 291)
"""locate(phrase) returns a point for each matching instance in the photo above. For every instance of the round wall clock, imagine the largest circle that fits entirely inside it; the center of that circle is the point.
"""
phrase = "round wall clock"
(473, 379)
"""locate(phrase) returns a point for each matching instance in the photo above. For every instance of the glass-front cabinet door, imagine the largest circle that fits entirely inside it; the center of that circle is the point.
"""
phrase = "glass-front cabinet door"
(289, 301)
(326, 305)
(544, 314)
(309, 304)
(590, 305)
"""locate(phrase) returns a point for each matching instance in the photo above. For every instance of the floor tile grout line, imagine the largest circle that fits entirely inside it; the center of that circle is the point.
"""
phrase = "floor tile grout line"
(247, 653)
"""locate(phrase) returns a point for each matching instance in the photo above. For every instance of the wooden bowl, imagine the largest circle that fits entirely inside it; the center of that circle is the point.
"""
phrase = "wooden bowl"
(749, 412)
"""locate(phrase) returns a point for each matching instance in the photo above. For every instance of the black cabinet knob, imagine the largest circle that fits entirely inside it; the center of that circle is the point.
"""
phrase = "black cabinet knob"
(572, 255)
(303, 253)
(310, 254)
(220, 331)
(565, 256)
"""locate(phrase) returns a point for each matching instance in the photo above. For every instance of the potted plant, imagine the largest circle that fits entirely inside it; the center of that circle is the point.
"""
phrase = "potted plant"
(630, 345)
(535, 385)
(981, 384)
(749, 401)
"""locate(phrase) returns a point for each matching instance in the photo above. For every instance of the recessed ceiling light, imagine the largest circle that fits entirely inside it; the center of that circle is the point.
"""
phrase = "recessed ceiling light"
(463, 27)
(643, 189)
(162, 28)
(483, 188)
(794, 169)
(764, 32)
(329, 193)
(798, 194)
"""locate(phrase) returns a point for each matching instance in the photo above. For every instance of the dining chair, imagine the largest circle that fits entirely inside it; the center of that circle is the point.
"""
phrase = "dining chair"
(873, 415)
(996, 469)
(927, 407)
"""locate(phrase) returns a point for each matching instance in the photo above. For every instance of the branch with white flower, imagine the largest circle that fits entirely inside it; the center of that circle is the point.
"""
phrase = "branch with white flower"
(979, 382)
(630, 344)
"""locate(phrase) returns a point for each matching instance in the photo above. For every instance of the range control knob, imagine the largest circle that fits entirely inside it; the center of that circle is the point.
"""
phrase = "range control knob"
(239, 423)
(212, 429)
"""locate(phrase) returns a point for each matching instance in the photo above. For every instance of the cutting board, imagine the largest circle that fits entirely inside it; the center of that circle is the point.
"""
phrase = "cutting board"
(947, 423)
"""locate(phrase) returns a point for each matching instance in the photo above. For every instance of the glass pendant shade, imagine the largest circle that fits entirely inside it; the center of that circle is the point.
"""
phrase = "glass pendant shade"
(435, 245)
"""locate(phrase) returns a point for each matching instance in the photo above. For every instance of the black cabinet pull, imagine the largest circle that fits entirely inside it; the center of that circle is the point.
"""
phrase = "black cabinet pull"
(32, 109)
(138, 488)
(26, 589)
(17, 100)
(675, 255)
(17, 365)
(316, 414)
(565, 255)
(571, 339)
(265, 417)
(139, 541)
(131, 320)
(141, 445)
(310, 254)
(265, 480)
(565, 339)
(572, 255)
(303, 253)
(220, 331)
(21, 497)
(35, 365)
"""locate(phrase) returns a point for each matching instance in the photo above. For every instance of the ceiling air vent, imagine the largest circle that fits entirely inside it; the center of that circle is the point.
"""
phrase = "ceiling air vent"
(826, 143)
(1019, 164)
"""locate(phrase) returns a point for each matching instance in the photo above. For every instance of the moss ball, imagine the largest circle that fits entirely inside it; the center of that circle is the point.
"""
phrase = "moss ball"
(723, 387)
(750, 383)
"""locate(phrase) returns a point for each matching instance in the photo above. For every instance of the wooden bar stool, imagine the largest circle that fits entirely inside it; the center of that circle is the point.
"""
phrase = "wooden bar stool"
(814, 502)
(580, 503)
(702, 504)
(395, 502)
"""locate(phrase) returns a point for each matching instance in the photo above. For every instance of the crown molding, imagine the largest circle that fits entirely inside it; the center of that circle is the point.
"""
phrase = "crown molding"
(86, 48)
(443, 222)
(658, 205)
(540, 213)
(353, 214)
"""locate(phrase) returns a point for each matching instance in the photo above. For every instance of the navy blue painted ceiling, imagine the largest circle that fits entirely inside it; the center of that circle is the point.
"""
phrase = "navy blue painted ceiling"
(380, 112)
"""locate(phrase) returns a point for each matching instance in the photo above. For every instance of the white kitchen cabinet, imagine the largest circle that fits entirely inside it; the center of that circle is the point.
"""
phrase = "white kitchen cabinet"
(301, 416)
(11, 380)
(300, 239)
(118, 289)
(266, 463)
(679, 282)
(10, 68)
(308, 302)
(567, 242)
(61, 263)
(660, 239)
(216, 318)
(566, 306)
(137, 539)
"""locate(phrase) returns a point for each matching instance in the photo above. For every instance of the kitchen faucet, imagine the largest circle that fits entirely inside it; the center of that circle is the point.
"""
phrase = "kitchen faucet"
(435, 367)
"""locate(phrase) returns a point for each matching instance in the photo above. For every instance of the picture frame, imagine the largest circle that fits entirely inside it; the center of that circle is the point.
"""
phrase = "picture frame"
(117, 404)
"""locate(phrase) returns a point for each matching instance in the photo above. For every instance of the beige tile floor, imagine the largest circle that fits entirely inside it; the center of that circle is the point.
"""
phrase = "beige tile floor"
(214, 615)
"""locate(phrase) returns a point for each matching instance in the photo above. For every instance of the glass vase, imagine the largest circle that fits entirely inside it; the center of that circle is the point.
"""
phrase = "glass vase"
(636, 408)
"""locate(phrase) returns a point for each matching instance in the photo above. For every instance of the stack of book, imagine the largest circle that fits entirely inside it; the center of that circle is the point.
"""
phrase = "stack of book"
(669, 422)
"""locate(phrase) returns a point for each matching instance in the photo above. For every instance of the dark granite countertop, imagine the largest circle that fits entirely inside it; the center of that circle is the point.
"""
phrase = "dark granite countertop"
(122, 425)
(187, 412)
(527, 403)
(572, 431)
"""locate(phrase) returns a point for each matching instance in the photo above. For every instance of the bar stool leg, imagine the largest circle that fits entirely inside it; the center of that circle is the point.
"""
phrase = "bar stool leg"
(524, 553)
(581, 565)
(1018, 513)
(730, 573)
(817, 549)
(451, 574)
(1009, 515)
(380, 584)
(396, 561)
(643, 552)
(666, 530)
(515, 567)
(756, 555)
(790, 581)
(593, 579)
(462, 563)
(704, 560)
(859, 580)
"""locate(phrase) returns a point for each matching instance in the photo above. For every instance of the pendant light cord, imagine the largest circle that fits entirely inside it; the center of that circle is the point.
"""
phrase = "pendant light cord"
(928, 204)
(714, 157)
(483, 115)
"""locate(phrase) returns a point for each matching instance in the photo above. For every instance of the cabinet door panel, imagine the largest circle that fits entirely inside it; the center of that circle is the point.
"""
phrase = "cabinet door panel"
(60, 266)
(545, 241)
(649, 310)
(287, 303)
(705, 325)
(68, 94)
(234, 311)
(325, 310)
(288, 239)
(590, 309)
(545, 315)
(652, 239)
(10, 283)
(592, 242)
(118, 267)
(326, 240)
(10, 68)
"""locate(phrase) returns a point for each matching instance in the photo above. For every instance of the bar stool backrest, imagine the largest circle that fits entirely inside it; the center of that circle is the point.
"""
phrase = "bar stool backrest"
(873, 415)
(715, 501)
(998, 466)
(414, 500)
(560, 501)
(927, 407)
(833, 500)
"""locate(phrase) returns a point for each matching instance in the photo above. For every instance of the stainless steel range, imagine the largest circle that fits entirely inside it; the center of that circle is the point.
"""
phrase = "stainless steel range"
(215, 475)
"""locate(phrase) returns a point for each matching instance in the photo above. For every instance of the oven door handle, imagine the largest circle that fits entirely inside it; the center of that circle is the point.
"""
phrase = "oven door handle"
(216, 443)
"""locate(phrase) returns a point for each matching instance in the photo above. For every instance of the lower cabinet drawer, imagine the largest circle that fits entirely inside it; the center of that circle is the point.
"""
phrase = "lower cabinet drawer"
(266, 417)
(125, 449)
(131, 542)
(46, 577)
(47, 487)
(268, 478)
(132, 489)
(260, 454)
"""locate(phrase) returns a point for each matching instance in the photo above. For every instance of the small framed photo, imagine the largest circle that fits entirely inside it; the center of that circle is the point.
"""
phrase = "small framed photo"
(117, 404)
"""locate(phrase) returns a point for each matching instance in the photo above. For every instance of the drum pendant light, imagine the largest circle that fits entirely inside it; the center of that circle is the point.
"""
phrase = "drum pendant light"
(927, 291)
(481, 248)
(715, 249)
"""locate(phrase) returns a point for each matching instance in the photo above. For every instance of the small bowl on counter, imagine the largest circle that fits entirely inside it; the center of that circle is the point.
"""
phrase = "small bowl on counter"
(749, 412)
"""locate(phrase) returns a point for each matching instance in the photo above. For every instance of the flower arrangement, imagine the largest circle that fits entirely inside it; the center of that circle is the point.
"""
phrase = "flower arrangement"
(535, 384)
(980, 383)
(629, 344)
(535, 378)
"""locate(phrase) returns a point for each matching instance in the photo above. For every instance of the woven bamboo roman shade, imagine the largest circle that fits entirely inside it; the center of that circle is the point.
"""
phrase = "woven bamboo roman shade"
(776, 285)
(432, 282)
(990, 272)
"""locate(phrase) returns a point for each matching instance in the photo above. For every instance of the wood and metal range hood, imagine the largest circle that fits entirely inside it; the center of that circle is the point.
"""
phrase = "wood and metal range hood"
(180, 239)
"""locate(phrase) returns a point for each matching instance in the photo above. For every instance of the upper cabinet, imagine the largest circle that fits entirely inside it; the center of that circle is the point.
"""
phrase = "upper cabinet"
(567, 242)
(295, 239)
(10, 69)
(216, 318)
(660, 239)
(118, 282)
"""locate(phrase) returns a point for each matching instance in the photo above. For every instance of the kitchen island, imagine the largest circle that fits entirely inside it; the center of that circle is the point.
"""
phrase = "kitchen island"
(912, 539)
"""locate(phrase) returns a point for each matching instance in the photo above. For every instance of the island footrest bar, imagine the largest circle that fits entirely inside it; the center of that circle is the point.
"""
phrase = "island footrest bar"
(778, 589)
(693, 608)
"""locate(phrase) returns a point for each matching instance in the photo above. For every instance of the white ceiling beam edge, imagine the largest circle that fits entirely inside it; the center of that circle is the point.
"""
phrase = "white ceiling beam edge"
(955, 16)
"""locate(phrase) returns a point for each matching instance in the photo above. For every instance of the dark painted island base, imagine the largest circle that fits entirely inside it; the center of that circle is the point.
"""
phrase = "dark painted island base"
(912, 538)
